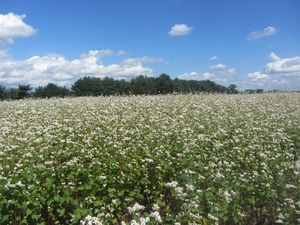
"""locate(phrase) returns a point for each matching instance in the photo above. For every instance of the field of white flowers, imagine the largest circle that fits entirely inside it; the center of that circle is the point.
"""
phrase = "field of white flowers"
(171, 159)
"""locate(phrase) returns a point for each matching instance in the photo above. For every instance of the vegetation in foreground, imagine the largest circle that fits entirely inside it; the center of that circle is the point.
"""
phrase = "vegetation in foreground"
(165, 159)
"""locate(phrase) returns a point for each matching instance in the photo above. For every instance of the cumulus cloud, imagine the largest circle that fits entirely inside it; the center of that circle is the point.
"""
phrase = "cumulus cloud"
(281, 73)
(180, 29)
(261, 33)
(219, 66)
(288, 66)
(214, 58)
(256, 80)
(39, 71)
(12, 26)
(257, 76)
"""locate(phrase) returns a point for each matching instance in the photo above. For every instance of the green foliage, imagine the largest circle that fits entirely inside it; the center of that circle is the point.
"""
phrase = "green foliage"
(254, 91)
(12, 93)
(3, 93)
(232, 89)
(140, 85)
(23, 91)
(88, 86)
(143, 85)
(164, 84)
(51, 90)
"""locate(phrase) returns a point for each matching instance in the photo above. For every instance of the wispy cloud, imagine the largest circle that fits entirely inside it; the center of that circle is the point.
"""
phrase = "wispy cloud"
(273, 56)
(221, 76)
(144, 59)
(197, 76)
(12, 26)
(180, 29)
(3, 53)
(122, 52)
(261, 33)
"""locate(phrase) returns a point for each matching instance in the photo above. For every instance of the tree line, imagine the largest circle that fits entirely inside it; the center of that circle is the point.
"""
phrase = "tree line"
(93, 86)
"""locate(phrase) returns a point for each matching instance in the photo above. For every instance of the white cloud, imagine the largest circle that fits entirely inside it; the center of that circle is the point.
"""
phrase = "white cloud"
(281, 73)
(12, 26)
(261, 33)
(273, 56)
(39, 71)
(144, 59)
(219, 66)
(3, 53)
(122, 52)
(280, 82)
(231, 71)
(257, 76)
(180, 29)
(221, 77)
(96, 54)
(288, 66)
(214, 58)
(196, 76)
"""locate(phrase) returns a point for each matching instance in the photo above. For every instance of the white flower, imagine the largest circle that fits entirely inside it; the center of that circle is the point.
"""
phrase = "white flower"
(19, 183)
(155, 207)
(136, 207)
(156, 216)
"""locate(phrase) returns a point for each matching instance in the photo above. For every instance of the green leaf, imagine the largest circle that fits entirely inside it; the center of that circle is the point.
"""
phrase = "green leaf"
(4, 218)
(147, 151)
(36, 203)
(251, 200)
(49, 202)
(57, 198)
(61, 212)
(28, 212)
(99, 202)
(29, 177)
(35, 217)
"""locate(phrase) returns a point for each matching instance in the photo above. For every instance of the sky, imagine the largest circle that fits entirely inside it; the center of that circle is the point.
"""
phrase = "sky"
(250, 43)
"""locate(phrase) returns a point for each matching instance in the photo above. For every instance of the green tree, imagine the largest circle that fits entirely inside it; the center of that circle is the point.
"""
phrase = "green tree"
(180, 86)
(3, 92)
(110, 86)
(23, 91)
(51, 90)
(88, 86)
(123, 87)
(232, 89)
(143, 85)
(259, 91)
(164, 84)
(12, 93)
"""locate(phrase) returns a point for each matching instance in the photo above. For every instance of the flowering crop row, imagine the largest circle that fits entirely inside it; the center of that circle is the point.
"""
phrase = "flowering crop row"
(169, 159)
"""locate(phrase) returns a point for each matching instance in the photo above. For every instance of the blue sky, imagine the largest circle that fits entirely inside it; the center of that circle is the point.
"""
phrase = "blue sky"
(253, 44)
